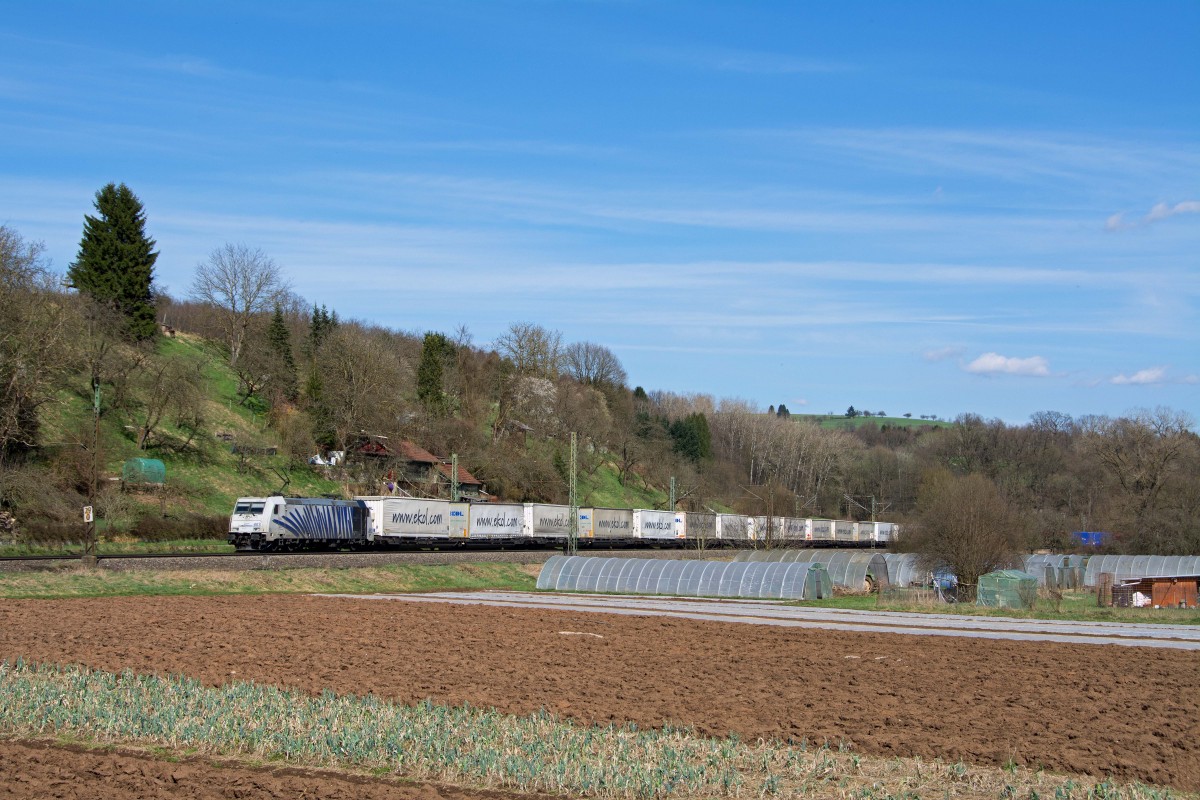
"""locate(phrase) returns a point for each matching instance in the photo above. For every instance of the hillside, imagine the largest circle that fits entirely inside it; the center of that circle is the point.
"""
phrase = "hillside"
(204, 473)
(236, 453)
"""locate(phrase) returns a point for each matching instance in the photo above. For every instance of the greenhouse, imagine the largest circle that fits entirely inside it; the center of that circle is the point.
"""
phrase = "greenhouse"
(779, 581)
(904, 569)
(1130, 568)
(853, 570)
(144, 470)
(1056, 571)
(1007, 588)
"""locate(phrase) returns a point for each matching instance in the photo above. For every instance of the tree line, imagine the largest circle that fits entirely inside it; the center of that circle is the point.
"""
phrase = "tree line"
(508, 407)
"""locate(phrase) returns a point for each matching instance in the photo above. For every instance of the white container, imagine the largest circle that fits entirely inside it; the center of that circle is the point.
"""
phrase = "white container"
(409, 517)
(649, 524)
(496, 521)
(544, 521)
(735, 527)
(821, 530)
(612, 523)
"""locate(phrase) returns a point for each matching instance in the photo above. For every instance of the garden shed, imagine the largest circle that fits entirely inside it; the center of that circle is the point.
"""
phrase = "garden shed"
(1007, 588)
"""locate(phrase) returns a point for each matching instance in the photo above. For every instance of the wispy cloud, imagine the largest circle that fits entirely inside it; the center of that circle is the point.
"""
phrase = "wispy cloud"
(192, 66)
(1009, 156)
(1161, 211)
(996, 364)
(749, 62)
(1143, 377)
(942, 353)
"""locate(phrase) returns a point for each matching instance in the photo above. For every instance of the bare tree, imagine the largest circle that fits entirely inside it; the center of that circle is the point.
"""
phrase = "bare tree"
(168, 384)
(593, 364)
(965, 525)
(240, 282)
(35, 341)
(534, 350)
(1151, 457)
(362, 382)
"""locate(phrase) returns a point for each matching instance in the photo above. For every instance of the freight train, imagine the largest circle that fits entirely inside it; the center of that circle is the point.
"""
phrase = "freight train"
(305, 523)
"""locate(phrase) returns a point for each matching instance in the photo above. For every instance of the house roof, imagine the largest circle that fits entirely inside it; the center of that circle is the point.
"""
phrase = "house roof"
(463, 475)
(411, 452)
(373, 448)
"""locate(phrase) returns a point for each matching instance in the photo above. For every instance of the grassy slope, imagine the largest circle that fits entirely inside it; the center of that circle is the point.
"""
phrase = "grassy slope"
(603, 489)
(206, 477)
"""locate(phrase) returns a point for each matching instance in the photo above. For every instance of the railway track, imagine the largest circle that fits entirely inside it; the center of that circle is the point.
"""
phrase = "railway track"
(333, 559)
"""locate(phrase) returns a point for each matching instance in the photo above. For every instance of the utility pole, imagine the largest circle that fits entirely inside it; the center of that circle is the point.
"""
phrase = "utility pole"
(89, 518)
(573, 500)
(672, 494)
(453, 477)
(875, 505)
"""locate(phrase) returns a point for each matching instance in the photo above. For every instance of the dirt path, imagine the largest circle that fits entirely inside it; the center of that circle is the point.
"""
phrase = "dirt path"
(1126, 712)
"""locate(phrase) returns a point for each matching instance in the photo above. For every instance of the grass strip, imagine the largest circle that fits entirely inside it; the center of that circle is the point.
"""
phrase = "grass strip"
(476, 747)
(1076, 606)
(105, 548)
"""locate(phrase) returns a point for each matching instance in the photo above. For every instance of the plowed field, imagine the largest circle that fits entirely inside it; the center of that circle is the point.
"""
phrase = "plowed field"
(1130, 713)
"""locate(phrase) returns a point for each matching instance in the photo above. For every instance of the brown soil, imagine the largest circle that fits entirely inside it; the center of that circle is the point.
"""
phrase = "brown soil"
(34, 769)
(1101, 710)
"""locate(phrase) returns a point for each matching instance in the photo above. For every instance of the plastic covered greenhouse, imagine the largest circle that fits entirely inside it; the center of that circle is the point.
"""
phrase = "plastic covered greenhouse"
(144, 470)
(779, 581)
(905, 570)
(1007, 588)
(1056, 571)
(852, 570)
(1127, 568)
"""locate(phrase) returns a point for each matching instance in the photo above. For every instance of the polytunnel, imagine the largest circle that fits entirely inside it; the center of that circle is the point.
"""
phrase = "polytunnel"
(1045, 568)
(904, 569)
(850, 569)
(1127, 568)
(691, 578)
(1055, 570)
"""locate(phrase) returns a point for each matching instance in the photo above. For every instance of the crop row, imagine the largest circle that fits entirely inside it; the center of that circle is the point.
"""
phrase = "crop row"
(464, 745)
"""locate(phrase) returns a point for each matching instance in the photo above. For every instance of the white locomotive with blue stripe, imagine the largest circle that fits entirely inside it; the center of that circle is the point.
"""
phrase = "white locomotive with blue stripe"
(294, 523)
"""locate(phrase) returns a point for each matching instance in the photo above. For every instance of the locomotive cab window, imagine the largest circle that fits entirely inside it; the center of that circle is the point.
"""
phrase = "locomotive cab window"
(278, 509)
(248, 508)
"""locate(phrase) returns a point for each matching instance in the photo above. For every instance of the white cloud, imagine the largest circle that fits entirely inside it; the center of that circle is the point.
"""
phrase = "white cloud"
(1164, 210)
(1160, 211)
(996, 364)
(1143, 377)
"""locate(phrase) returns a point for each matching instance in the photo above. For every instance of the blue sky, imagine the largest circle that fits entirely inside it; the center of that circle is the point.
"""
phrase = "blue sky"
(931, 208)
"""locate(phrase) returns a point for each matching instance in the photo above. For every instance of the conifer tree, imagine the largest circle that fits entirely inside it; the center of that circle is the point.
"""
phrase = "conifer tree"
(115, 265)
(319, 328)
(280, 340)
(435, 350)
